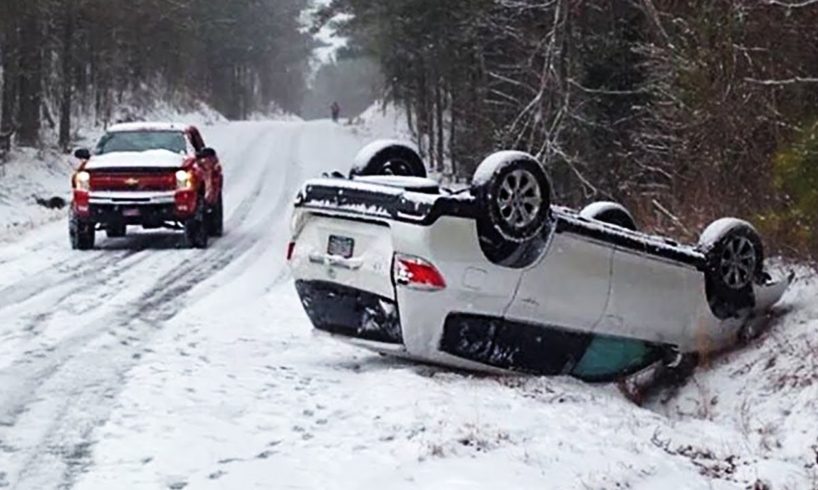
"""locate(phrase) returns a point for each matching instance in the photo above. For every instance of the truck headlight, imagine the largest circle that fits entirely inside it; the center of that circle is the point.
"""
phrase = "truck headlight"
(184, 180)
(82, 181)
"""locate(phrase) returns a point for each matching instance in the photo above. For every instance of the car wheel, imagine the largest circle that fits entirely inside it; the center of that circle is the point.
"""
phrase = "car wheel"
(388, 158)
(216, 219)
(514, 194)
(116, 230)
(609, 212)
(82, 234)
(734, 259)
(196, 234)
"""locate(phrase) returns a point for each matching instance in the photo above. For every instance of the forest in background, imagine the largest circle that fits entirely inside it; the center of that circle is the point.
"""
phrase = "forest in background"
(61, 58)
(683, 110)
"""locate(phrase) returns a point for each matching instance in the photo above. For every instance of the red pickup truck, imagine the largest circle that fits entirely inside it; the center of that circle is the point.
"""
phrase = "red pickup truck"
(154, 175)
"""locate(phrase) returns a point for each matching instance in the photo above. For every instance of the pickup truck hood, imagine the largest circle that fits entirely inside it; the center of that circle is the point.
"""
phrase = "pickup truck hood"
(144, 159)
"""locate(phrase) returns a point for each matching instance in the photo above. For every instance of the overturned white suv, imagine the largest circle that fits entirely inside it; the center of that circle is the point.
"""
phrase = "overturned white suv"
(496, 278)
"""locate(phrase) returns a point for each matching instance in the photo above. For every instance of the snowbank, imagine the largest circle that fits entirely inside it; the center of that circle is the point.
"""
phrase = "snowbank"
(382, 122)
(28, 180)
(764, 396)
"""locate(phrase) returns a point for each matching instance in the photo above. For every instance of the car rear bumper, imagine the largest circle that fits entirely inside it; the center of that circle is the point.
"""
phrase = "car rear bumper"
(350, 312)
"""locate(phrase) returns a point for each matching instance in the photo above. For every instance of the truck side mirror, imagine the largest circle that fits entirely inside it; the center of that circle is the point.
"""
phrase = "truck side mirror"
(83, 154)
(207, 153)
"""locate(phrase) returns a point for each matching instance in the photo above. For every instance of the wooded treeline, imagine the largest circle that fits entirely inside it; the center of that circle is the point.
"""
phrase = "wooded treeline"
(683, 110)
(59, 56)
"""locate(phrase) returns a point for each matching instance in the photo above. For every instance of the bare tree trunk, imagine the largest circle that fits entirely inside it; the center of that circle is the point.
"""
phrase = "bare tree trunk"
(67, 75)
(65, 110)
(30, 93)
(10, 79)
(409, 121)
(439, 124)
(453, 132)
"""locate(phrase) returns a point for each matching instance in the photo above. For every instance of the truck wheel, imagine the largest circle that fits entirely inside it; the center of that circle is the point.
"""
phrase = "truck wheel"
(196, 234)
(215, 219)
(386, 157)
(116, 230)
(609, 212)
(734, 259)
(82, 234)
(513, 192)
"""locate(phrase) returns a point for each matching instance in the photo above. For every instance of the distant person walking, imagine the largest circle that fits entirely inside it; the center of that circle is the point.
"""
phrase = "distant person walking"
(335, 108)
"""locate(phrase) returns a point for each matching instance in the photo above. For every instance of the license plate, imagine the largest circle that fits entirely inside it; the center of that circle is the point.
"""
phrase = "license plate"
(341, 246)
(130, 212)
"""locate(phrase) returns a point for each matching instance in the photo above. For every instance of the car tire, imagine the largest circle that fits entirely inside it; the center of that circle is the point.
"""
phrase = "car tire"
(611, 213)
(734, 260)
(215, 219)
(388, 158)
(196, 233)
(82, 234)
(116, 230)
(513, 193)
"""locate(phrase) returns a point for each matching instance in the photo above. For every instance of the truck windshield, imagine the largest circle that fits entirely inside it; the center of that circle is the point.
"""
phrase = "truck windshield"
(129, 141)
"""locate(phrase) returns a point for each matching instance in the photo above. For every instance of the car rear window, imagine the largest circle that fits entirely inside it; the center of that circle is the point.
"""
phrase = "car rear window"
(129, 141)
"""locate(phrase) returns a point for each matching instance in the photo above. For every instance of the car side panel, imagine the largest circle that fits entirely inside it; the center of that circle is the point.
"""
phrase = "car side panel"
(473, 284)
(568, 287)
(654, 299)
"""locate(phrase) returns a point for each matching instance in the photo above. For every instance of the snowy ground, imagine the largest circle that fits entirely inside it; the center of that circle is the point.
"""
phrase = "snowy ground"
(146, 366)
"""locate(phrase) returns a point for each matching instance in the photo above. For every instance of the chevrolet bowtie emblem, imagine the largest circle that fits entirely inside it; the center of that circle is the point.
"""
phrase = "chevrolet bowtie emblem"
(132, 182)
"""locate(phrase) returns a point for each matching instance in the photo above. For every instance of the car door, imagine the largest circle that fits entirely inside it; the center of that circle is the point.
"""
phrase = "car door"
(653, 298)
(568, 287)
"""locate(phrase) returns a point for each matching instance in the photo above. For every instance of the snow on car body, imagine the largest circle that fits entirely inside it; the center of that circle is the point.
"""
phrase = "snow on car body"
(399, 266)
(148, 174)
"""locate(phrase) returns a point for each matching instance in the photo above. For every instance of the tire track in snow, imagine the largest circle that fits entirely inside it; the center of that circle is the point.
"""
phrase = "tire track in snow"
(269, 221)
(41, 281)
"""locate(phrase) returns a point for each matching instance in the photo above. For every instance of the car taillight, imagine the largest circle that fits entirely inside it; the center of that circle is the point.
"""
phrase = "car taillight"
(290, 251)
(417, 273)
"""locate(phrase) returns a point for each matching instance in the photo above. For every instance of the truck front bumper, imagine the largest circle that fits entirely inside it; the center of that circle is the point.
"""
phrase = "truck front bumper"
(149, 209)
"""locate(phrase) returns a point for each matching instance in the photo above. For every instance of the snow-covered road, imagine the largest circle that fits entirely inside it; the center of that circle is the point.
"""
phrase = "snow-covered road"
(145, 366)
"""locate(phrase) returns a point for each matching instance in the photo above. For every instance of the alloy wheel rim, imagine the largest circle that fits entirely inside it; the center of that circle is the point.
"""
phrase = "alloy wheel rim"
(738, 262)
(519, 199)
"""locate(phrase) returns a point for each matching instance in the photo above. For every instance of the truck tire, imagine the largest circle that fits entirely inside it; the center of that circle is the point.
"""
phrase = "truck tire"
(196, 233)
(734, 260)
(82, 234)
(215, 219)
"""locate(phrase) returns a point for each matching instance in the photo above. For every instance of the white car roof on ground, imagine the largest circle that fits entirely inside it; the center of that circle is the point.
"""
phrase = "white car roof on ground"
(148, 126)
